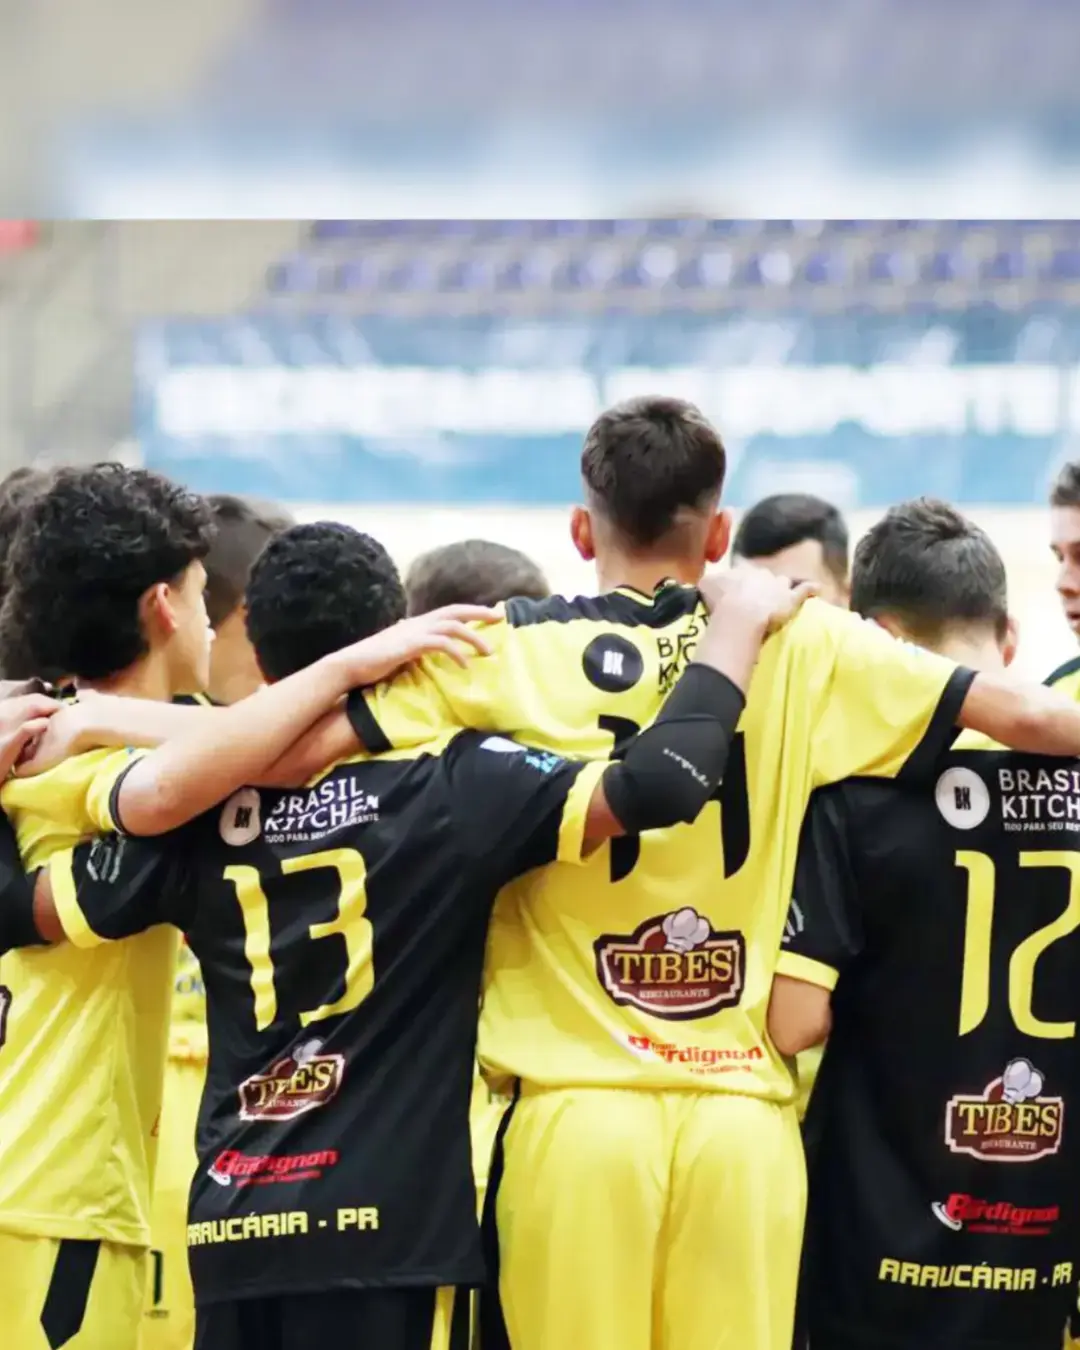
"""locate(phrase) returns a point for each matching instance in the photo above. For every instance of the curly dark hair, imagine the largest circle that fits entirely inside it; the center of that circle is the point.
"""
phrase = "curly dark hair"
(87, 548)
(316, 588)
(16, 491)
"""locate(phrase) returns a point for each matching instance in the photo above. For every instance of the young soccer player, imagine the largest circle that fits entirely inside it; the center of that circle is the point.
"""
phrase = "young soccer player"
(628, 998)
(241, 530)
(800, 536)
(107, 583)
(474, 571)
(935, 928)
(340, 930)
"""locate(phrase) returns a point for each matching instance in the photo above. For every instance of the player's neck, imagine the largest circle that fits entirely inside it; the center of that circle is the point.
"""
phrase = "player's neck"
(976, 653)
(234, 686)
(145, 678)
(616, 569)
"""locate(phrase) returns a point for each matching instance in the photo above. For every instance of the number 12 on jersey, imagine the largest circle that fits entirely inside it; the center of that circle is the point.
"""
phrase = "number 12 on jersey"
(350, 922)
(978, 940)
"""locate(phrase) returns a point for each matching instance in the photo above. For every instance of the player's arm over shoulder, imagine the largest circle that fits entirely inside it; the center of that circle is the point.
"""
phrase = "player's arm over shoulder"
(436, 694)
(418, 706)
(877, 705)
(887, 706)
(542, 807)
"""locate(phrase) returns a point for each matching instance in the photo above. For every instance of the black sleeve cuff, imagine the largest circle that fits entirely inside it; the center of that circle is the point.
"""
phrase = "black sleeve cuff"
(114, 799)
(362, 720)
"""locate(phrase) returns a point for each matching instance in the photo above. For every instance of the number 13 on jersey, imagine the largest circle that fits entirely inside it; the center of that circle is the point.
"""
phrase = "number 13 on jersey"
(350, 922)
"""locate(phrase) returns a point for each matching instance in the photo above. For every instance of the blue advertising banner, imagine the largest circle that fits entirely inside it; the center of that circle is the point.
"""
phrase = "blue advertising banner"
(978, 406)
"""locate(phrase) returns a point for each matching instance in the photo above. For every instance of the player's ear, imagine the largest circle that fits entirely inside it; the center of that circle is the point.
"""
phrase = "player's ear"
(156, 610)
(1010, 641)
(581, 533)
(718, 536)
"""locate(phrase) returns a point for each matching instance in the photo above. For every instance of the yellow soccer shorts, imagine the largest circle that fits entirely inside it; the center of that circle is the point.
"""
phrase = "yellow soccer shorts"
(169, 1315)
(75, 1294)
(633, 1220)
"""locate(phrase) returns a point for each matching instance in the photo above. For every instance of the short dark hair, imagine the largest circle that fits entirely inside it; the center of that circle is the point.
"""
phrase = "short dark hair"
(243, 527)
(646, 461)
(88, 546)
(316, 588)
(930, 567)
(789, 518)
(1066, 488)
(472, 572)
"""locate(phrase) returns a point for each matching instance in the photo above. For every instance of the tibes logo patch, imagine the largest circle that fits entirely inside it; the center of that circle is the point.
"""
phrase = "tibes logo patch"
(673, 966)
(1010, 1122)
(300, 1082)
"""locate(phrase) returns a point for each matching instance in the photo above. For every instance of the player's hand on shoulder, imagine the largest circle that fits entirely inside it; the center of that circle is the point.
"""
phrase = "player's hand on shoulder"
(24, 718)
(754, 595)
(64, 734)
(443, 630)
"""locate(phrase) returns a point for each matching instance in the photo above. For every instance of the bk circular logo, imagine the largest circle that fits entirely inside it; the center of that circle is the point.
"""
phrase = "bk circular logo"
(962, 798)
(612, 663)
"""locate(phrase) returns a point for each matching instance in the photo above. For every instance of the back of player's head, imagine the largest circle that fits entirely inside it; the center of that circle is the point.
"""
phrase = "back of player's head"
(931, 569)
(242, 529)
(317, 588)
(472, 572)
(89, 545)
(1066, 488)
(788, 518)
(648, 464)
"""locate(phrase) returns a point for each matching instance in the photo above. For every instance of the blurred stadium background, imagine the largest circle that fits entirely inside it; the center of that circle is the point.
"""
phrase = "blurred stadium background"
(430, 380)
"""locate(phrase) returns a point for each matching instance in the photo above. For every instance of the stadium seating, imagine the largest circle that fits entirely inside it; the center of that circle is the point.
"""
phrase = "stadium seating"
(363, 263)
(681, 58)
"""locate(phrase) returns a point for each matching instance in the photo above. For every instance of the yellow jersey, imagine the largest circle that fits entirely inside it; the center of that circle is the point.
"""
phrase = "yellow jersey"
(83, 1056)
(651, 965)
(1066, 678)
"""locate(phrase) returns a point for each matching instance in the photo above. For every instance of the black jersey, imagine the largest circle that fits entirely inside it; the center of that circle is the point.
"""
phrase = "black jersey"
(944, 1132)
(340, 929)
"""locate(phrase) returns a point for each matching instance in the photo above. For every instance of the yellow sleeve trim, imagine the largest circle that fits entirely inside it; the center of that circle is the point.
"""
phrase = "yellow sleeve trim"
(576, 812)
(807, 970)
(65, 898)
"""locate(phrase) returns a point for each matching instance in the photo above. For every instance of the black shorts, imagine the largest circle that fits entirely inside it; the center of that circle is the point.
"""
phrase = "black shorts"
(363, 1319)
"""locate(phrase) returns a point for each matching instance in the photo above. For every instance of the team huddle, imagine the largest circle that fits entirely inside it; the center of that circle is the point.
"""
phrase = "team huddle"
(442, 963)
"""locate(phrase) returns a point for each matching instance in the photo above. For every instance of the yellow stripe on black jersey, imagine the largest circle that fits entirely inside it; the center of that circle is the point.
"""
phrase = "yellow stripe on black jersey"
(651, 965)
